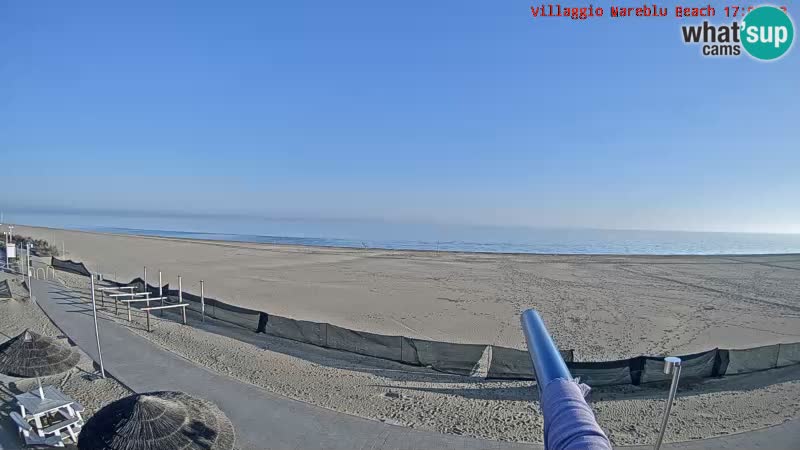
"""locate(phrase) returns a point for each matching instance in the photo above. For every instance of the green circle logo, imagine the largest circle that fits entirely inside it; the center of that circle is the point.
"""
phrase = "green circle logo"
(767, 33)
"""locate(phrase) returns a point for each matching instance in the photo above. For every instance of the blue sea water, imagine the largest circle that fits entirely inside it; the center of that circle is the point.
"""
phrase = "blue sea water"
(408, 236)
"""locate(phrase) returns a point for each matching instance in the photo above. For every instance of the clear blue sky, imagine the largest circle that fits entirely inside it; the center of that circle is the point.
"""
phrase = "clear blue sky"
(445, 111)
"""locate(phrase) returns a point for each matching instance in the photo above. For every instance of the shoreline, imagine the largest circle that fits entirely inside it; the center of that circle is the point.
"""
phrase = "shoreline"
(424, 251)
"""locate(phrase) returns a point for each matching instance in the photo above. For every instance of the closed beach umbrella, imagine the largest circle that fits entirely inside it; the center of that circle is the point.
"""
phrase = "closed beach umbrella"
(158, 420)
(33, 355)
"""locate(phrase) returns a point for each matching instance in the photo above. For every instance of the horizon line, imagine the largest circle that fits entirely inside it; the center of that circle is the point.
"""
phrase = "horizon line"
(291, 218)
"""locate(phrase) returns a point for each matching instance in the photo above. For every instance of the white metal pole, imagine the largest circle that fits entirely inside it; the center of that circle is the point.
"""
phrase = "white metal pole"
(180, 296)
(161, 291)
(671, 365)
(97, 332)
(202, 302)
(41, 391)
(11, 238)
(30, 289)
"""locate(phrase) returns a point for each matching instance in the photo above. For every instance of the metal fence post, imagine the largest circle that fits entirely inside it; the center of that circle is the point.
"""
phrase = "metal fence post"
(28, 264)
(180, 297)
(161, 292)
(672, 365)
(96, 331)
(147, 291)
(202, 302)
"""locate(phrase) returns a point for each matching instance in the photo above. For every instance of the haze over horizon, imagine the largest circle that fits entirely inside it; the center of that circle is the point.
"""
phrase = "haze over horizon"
(446, 113)
(205, 220)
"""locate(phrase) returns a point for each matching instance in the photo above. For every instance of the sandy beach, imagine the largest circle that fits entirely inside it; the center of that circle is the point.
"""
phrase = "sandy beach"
(422, 398)
(604, 307)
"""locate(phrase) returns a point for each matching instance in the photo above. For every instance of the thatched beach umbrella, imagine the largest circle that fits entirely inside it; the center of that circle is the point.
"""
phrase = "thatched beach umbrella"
(33, 355)
(158, 420)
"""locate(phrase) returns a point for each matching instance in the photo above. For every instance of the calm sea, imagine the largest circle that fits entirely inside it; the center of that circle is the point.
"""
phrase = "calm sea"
(339, 233)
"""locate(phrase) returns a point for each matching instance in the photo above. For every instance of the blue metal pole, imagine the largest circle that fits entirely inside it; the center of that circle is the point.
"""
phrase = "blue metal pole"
(569, 423)
(547, 362)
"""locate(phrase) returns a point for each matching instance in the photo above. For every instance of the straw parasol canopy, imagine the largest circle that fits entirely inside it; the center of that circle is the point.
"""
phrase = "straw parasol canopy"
(33, 355)
(158, 420)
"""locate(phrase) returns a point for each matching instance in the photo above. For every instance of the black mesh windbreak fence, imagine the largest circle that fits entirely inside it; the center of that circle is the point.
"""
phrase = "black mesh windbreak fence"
(70, 266)
(5, 289)
(489, 361)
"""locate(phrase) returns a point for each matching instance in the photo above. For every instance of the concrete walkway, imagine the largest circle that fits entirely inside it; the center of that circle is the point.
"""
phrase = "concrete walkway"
(263, 420)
